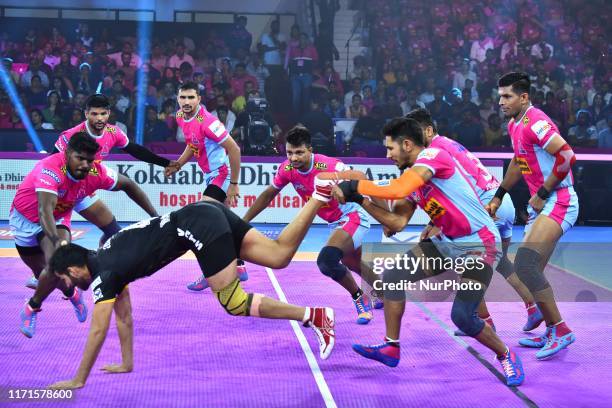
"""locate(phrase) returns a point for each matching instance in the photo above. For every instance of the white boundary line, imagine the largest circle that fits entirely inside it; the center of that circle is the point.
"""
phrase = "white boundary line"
(312, 361)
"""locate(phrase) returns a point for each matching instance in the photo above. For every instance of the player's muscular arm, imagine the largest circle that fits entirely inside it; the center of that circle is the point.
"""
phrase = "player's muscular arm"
(125, 328)
(185, 157)
(46, 205)
(513, 175)
(396, 219)
(261, 203)
(233, 152)
(136, 194)
(398, 188)
(100, 322)
(565, 157)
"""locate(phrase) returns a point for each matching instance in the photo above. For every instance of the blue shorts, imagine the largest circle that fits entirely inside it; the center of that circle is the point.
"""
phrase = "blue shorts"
(86, 202)
(505, 213)
(25, 232)
(356, 223)
(562, 207)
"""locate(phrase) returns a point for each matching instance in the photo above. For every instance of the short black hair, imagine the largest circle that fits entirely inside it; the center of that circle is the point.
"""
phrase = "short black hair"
(81, 142)
(422, 116)
(519, 81)
(299, 135)
(97, 101)
(66, 256)
(402, 128)
(189, 85)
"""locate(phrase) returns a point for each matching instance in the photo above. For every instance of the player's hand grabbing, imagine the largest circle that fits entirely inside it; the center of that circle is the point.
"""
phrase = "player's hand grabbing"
(536, 203)
(387, 231)
(493, 206)
(67, 385)
(116, 368)
(172, 168)
(233, 193)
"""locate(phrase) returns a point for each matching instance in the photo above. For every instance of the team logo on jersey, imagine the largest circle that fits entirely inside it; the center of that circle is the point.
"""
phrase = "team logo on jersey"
(426, 190)
(64, 169)
(82, 193)
(195, 149)
(180, 115)
(110, 129)
(94, 171)
(320, 166)
(299, 186)
(434, 209)
(525, 120)
(51, 174)
(217, 128)
(523, 165)
(199, 118)
(429, 153)
(97, 292)
(540, 128)
(44, 181)
(288, 167)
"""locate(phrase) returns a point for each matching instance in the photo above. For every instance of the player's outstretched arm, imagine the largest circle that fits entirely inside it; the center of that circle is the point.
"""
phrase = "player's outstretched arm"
(136, 194)
(143, 154)
(261, 203)
(125, 328)
(185, 157)
(398, 188)
(97, 334)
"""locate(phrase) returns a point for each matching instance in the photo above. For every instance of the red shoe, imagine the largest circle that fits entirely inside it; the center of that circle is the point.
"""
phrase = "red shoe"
(321, 320)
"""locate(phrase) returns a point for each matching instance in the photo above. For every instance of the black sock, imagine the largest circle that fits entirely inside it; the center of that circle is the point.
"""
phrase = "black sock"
(357, 294)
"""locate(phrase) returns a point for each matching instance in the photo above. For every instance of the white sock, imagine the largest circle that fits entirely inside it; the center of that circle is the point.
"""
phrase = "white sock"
(306, 315)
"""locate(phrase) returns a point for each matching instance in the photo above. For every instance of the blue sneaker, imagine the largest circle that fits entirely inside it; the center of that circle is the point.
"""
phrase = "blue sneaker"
(513, 369)
(378, 303)
(28, 321)
(488, 320)
(556, 343)
(534, 318)
(385, 353)
(32, 283)
(536, 342)
(80, 308)
(199, 284)
(242, 271)
(364, 309)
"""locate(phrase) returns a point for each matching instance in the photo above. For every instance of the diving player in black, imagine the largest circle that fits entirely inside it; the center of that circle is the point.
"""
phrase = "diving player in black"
(217, 237)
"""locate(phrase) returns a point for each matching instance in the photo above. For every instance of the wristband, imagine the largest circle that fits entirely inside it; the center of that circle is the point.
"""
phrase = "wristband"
(543, 193)
(234, 182)
(500, 193)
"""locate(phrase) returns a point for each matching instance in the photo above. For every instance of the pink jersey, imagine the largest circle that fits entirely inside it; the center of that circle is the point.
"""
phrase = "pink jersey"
(470, 164)
(530, 136)
(51, 175)
(303, 182)
(204, 134)
(449, 198)
(111, 137)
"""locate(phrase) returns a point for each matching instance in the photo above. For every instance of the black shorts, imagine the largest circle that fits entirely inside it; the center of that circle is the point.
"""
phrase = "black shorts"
(212, 232)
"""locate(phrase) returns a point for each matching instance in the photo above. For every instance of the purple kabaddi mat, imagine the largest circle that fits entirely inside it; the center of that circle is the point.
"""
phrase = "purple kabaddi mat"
(189, 352)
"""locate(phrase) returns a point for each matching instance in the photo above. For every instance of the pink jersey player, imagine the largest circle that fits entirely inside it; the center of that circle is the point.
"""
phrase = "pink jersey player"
(303, 182)
(51, 175)
(530, 135)
(111, 137)
(452, 203)
(204, 134)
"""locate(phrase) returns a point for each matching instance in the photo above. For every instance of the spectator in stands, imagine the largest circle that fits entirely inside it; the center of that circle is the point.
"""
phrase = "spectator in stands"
(129, 72)
(478, 52)
(34, 70)
(335, 109)
(463, 73)
(36, 117)
(185, 73)
(65, 67)
(6, 110)
(272, 44)
(605, 135)
(355, 90)
(367, 128)
(76, 117)
(58, 85)
(427, 96)
(179, 57)
(469, 132)
(597, 109)
(493, 133)
(368, 98)
(36, 94)
(239, 78)
(439, 108)
(53, 112)
(356, 109)
(259, 71)
(411, 102)
(538, 48)
(302, 61)
(239, 37)
(320, 125)
(583, 133)
(127, 49)
(168, 114)
(324, 44)
(225, 115)
(293, 42)
(155, 130)
(158, 59)
(239, 103)
(120, 94)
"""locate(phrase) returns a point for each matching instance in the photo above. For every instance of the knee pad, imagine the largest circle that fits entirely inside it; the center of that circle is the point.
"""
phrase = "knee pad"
(480, 273)
(109, 230)
(527, 265)
(234, 299)
(464, 315)
(215, 192)
(329, 264)
(505, 267)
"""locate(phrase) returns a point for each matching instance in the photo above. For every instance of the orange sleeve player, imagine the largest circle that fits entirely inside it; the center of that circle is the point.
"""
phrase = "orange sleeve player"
(395, 189)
